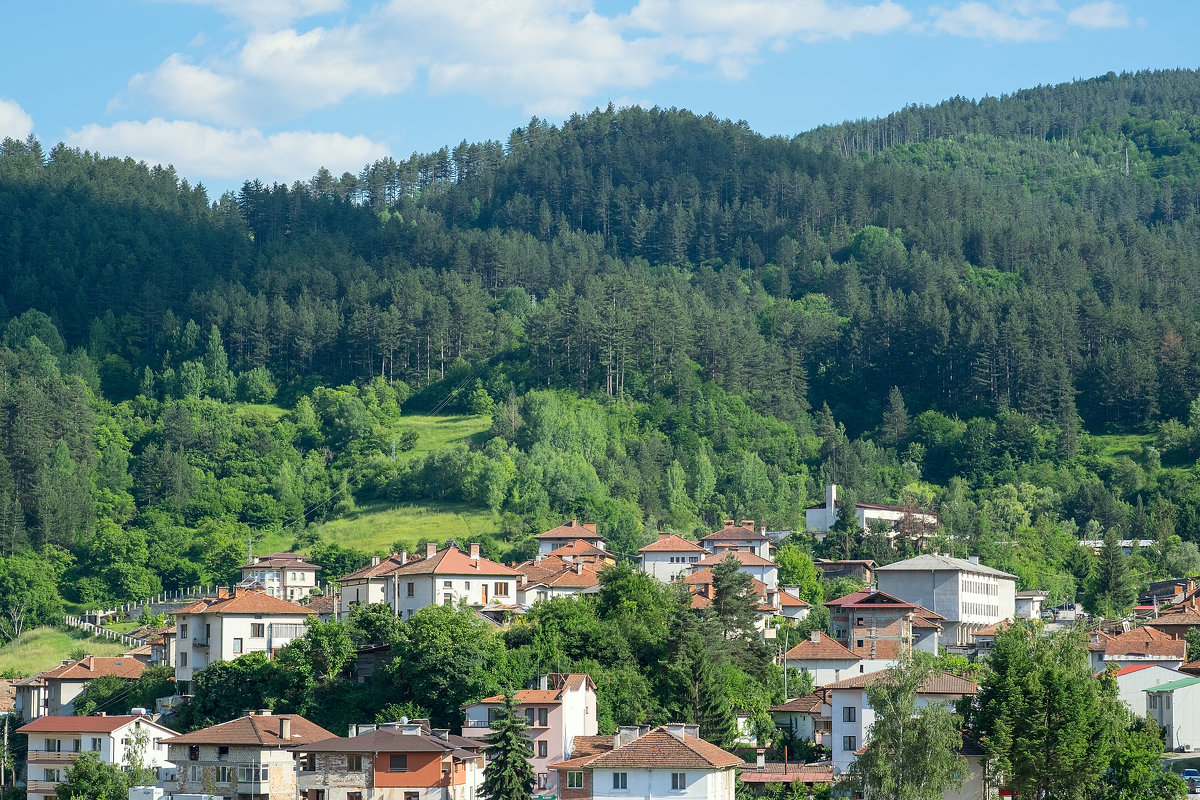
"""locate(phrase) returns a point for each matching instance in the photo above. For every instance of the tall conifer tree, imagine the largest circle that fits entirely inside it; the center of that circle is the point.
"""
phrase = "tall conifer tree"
(509, 775)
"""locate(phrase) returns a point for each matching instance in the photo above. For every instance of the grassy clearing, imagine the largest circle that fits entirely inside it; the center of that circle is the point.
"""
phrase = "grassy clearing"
(377, 528)
(1114, 446)
(40, 649)
(264, 411)
(440, 432)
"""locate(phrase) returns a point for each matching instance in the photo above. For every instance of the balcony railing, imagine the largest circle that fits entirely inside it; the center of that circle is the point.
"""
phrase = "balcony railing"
(40, 787)
(200, 644)
(477, 723)
(51, 756)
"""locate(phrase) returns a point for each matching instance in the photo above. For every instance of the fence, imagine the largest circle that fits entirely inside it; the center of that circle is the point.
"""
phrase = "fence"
(97, 630)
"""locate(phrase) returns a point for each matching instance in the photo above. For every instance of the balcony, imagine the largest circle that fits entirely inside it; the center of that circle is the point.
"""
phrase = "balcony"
(199, 644)
(51, 756)
(477, 723)
(40, 787)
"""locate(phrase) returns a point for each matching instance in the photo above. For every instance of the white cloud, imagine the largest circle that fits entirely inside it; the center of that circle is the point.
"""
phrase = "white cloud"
(1010, 24)
(15, 122)
(1105, 14)
(214, 153)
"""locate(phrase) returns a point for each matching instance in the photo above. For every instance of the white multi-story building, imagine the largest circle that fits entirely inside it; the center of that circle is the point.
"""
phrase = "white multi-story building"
(668, 761)
(235, 622)
(374, 583)
(670, 557)
(851, 714)
(1173, 706)
(914, 522)
(761, 569)
(55, 743)
(450, 577)
(54, 691)
(567, 533)
(286, 575)
(967, 595)
(561, 709)
(1134, 679)
(738, 537)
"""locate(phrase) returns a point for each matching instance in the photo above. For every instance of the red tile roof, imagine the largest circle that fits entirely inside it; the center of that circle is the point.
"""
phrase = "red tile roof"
(658, 749)
(1146, 642)
(808, 704)
(243, 601)
(281, 561)
(572, 530)
(746, 559)
(787, 599)
(937, 683)
(1128, 668)
(579, 548)
(560, 683)
(824, 648)
(256, 729)
(670, 543)
(385, 567)
(80, 724)
(91, 667)
(736, 533)
(453, 561)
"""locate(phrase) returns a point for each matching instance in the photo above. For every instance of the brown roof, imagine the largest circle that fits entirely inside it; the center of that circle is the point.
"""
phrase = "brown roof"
(560, 682)
(776, 772)
(579, 548)
(993, 629)
(591, 745)
(93, 724)
(746, 559)
(572, 530)
(386, 566)
(808, 704)
(390, 740)
(281, 561)
(738, 533)
(90, 667)
(1146, 642)
(256, 729)
(825, 647)
(658, 749)
(670, 543)
(243, 601)
(453, 561)
(322, 604)
(937, 683)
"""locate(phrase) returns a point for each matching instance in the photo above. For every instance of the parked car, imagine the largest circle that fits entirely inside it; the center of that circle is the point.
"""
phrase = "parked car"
(1192, 776)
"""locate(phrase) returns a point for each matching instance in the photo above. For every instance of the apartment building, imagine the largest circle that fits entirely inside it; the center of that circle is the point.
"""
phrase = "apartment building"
(53, 692)
(966, 594)
(289, 576)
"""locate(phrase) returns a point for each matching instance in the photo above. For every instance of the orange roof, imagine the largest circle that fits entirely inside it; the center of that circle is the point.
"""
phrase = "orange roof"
(786, 599)
(670, 543)
(746, 559)
(736, 533)
(822, 648)
(700, 602)
(90, 667)
(561, 681)
(1146, 642)
(572, 530)
(703, 577)
(256, 729)
(658, 749)
(243, 601)
(937, 683)
(386, 566)
(453, 561)
(993, 629)
(579, 548)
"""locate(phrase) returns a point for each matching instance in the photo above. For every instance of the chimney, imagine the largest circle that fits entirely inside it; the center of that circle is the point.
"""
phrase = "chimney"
(403, 557)
(973, 559)
(626, 734)
(374, 561)
(748, 523)
(761, 764)
(475, 550)
(544, 682)
(815, 637)
(91, 663)
(574, 523)
(578, 567)
(676, 729)
(830, 505)
(728, 523)
(101, 714)
(285, 729)
(430, 549)
(441, 733)
(352, 731)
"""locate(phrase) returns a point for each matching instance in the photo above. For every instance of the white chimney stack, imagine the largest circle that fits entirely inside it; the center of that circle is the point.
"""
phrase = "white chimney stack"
(430, 549)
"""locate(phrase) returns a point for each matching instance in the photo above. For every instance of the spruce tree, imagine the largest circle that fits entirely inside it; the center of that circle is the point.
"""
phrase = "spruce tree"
(508, 775)
(894, 427)
(713, 712)
(1113, 588)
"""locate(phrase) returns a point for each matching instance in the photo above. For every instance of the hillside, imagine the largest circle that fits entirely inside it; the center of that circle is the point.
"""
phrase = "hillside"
(644, 317)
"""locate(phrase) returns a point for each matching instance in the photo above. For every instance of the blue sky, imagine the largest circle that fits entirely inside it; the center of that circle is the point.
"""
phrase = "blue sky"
(233, 89)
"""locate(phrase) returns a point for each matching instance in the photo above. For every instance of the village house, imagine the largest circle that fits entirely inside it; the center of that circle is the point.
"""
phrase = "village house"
(742, 538)
(1145, 645)
(451, 577)
(289, 576)
(782, 775)
(53, 692)
(1173, 706)
(403, 760)
(561, 709)
(235, 622)
(852, 715)
(1134, 679)
(567, 533)
(374, 583)
(825, 659)
(1177, 620)
(762, 569)
(1028, 604)
(581, 550)
(878, 627)
(859, 569)
(249, 758)
(966, 594)
(806, 717)
(55, 742)
(548, 577)
(912, 522)
(668, 761)
(670, 557)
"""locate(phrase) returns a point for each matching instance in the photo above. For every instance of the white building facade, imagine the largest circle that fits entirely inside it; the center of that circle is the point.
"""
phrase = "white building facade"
(968, 595)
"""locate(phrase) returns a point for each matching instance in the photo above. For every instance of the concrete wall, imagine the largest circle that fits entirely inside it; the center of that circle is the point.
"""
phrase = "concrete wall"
(196, 777)
(648, 783)
(968, 600)
(432, 590)
(660, 564)
(1131, 687)
(825, 671)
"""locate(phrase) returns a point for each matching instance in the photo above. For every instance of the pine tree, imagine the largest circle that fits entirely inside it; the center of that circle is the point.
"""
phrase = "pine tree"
(509, 775)
(1113, 588)
(713, 712)
(894, 427)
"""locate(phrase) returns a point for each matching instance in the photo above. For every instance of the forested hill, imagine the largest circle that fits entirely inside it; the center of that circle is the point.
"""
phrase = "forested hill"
(726, 313)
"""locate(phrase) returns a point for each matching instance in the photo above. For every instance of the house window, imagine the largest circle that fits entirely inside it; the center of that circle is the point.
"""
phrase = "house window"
(447, 599)
(850, 743)
(447, 584)
(493, 715)
(860, 643)
(398, 762)
(678, 780)
(183, 659)
(467, 585)
(849, 714)
(543, 780)
(353, 795)
(223, 752)
(252, 773)
(354, 763)
(309, 762)
(529, 712)
(193, 773)
(53, 775)
(621, 781)
(543, 717)
(412, 589)
(1153, 701)
(501, 589)
(412, 796)
(237, 646)
(224, 773)
(543, 749)
(97, 744)
(315, 794)
(258, 630)
(193, 752)
(574, 780)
